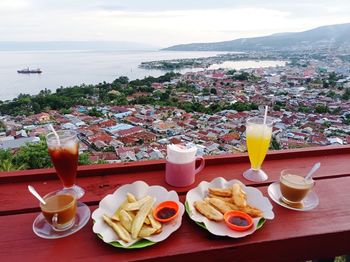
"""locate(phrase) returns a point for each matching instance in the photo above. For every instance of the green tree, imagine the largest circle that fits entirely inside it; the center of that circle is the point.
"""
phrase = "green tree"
(5, 154)
(231, 72)
(331, 94)
(213, 91)
(33, 155)
(274, 144)
(243, 76)
(84, 159)
(7, 165)
(205, 91)
(321, 109)
(346, 119)
(304, 109)
(95, 112)
(2, 126)
(346, 94)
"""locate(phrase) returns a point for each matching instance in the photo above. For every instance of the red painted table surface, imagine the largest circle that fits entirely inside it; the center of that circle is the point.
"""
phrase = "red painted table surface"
(292, 235)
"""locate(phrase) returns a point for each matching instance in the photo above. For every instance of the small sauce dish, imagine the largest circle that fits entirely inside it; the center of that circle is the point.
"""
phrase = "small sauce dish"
(238, 221)
(166, 211)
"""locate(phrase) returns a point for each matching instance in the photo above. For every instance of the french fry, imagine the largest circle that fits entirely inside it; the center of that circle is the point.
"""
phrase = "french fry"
(146, 231)
(239, 197)
(252, 211)
(126, 220)
(208, 211)
(136, 205)
(226, 192)
(147, 221)
(154, 223)
(118, 228)
(116, 213)
(130, 197)
(220, 205)
(226, 199)
(140, 217)
(133, 214)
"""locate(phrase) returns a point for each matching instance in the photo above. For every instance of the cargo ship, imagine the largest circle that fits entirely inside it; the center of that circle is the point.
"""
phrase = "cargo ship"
(29, 71)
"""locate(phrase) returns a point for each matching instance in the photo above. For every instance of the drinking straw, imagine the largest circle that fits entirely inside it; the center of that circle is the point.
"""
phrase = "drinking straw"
(56, 135)
(265, 115)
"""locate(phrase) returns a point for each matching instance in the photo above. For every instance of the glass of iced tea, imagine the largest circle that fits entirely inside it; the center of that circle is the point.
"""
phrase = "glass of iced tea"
(63, 148)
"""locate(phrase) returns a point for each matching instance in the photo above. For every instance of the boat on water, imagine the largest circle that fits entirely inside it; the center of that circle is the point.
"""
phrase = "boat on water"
(29, 71)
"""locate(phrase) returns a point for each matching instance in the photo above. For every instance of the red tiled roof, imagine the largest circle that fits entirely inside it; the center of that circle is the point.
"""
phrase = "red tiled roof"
(230, 136)
(101, 137)
(129, 131)
(107, 123)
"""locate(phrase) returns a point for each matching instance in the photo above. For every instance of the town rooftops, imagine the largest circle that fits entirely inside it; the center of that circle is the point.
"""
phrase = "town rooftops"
(17, 143)
(119, 127)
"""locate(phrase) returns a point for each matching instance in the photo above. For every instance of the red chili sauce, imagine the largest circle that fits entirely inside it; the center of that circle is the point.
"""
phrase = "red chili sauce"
(238, 221)
(166, 212)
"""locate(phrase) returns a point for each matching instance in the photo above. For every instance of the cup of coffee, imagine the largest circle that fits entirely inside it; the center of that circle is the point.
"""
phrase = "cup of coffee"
(60, 210)
(294, 187)
(182, 174)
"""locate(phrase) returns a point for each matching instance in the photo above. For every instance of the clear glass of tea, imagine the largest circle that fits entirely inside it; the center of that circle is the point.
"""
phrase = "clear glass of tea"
(64, 149)
(294, 187)
(60, 210)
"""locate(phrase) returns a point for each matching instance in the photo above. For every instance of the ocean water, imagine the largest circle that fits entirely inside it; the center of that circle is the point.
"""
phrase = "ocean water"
(68, 68)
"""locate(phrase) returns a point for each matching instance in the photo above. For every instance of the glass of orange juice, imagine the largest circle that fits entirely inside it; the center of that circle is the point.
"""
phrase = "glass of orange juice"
(258, 137)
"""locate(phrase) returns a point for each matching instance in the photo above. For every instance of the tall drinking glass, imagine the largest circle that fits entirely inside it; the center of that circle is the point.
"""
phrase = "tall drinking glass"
(258, 136)
(63, 151)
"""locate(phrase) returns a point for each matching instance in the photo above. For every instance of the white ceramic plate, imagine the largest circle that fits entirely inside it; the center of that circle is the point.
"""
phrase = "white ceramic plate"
(140, 189)
(254, 198)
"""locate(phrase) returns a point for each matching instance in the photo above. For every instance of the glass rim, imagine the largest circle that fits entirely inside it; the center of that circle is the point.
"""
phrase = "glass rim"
(296, 173)
(269, 120)
(56, 193)
(66, 134)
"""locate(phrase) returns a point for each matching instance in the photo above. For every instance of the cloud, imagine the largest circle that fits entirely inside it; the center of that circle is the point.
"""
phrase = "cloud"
(162, 22)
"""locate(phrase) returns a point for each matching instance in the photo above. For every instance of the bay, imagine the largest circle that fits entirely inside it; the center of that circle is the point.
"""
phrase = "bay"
(68, 68)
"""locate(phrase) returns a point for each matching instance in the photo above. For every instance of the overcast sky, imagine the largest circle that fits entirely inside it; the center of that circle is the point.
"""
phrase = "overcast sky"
(163, 22)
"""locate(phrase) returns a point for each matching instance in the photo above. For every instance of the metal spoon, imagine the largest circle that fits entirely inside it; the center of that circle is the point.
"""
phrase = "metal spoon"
(312, 171)
(36, 194)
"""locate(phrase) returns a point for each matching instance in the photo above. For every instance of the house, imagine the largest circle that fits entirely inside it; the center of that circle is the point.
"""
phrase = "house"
(335, 141)
(107, 123)
(41, 118)
(114, 129)
(17, 143)
(156, 154)
(122, 115)
(126, 154)
(230, 138)
(130, 131)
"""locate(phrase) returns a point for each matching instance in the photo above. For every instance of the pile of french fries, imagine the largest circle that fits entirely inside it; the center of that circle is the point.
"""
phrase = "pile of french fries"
(222, 200)
(134, 219)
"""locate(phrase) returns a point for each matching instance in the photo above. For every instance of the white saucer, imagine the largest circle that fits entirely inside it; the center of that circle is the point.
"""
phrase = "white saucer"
(43, 229)
(310, 201)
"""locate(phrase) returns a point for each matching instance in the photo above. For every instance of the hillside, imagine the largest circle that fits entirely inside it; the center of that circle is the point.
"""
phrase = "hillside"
(321, 37)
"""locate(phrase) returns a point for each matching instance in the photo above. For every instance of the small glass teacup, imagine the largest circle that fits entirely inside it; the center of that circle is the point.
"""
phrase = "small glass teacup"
(294, 187)
(60, 210)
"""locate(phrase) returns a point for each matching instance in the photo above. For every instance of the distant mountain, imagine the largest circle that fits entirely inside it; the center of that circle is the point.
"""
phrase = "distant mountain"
(321, 37)
(72, 45)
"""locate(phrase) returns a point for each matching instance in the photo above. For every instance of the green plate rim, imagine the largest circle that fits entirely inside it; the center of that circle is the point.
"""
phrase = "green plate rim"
(201, 224)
